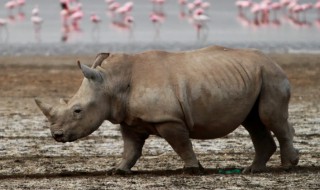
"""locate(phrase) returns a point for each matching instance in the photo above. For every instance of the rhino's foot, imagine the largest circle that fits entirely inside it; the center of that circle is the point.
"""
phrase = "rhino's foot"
(194, 170)
(117, 171)
(291, 160)
(255, 169)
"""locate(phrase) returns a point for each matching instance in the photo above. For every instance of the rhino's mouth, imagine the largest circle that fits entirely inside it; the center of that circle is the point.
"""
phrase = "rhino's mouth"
(60, 139)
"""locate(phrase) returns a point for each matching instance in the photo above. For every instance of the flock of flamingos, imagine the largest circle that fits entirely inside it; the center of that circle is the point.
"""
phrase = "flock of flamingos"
(250, 13)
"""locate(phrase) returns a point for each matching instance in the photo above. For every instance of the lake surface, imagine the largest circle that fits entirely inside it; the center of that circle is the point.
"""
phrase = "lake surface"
(225, 27)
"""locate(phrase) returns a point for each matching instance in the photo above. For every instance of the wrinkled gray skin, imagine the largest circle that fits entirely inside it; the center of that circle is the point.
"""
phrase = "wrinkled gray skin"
(200, 94)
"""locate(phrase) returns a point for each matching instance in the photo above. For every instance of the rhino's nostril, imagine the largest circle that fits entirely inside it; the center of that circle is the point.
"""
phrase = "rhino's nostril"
(58, 134)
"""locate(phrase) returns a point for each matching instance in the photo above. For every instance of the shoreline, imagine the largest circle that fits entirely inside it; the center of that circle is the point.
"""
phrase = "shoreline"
(48, 49)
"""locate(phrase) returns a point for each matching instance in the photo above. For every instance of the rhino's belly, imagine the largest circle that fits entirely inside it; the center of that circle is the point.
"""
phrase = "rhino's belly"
(220, 119)
(212, 131)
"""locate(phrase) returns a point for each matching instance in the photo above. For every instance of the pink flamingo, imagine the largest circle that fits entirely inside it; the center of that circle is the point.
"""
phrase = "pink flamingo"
(156, 21)
(76, 16)
(200, 22)
(3, 22)
(37, 22)
(129, 22)
(3, 26)
(182, 4)
(10, 5)
(94, 18)
(35, 10)
(242, 4)
(197, 4)
(113, 6)
(122, 12)
(64, 15)
(205, 5)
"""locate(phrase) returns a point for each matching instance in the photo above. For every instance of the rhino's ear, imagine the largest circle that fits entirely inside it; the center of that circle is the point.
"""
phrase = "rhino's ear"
(99, 59)
(90, 73)
(45, 108)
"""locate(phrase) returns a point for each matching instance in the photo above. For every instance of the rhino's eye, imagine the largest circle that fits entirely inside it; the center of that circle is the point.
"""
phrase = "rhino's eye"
(77, 111)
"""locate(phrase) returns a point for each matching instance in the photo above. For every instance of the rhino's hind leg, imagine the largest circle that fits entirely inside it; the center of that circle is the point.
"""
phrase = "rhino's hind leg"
(273, 112)
(177, 135)
(263, 142)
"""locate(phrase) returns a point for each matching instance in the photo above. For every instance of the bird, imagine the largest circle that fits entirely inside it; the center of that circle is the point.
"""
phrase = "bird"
(94, 18)
(76, 16)
(3, 27)
(37, 21)
(35, 10)
(156, 20)
(200, 20)
(242, 4)
(123, 11)
(10, 5)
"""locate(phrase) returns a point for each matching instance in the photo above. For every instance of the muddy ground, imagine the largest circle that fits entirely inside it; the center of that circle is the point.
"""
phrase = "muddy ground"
(31, 159)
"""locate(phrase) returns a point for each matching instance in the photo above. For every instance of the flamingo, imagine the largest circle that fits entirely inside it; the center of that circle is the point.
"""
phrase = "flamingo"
(121, 12)
(242, 4)
(3, 26)
(157, 21)
(113, 6)
(10, 5)
(129, 22)
(94, 18)
(200, 21)
(76, 16)
(64, 15)
(37, 22)
(95, 32)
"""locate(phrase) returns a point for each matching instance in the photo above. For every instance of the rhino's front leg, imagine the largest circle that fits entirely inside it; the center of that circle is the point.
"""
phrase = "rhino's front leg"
(133, 143)
(177, 135)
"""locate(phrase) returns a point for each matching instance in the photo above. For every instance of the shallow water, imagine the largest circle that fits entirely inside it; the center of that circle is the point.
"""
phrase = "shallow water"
(225, 27)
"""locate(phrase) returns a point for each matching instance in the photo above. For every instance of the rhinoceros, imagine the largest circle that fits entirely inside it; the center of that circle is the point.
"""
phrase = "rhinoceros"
(179, 96)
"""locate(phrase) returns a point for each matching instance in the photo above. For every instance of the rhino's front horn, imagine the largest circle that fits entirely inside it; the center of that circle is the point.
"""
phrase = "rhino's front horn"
(90, 73)
(45, 108)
